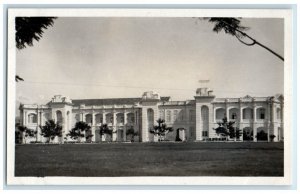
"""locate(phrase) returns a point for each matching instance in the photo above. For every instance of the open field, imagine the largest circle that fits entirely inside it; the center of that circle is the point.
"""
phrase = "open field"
(151, 159)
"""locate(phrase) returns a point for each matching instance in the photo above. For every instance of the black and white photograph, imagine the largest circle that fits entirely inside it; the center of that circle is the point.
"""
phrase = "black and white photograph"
(148, 95)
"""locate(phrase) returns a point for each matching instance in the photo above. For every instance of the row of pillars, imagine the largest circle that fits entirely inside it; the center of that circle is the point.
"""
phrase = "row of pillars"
(114, 121)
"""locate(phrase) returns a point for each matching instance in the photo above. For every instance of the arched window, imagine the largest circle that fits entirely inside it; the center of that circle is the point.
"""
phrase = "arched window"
(120, 118)
(59, 118)
(99, 119)
(233, 113)
(150, 116)
(260, 113)
(247, 113)
(32, 118)
(89, 119)
(205, 119)
(109, 118)
(220, 113)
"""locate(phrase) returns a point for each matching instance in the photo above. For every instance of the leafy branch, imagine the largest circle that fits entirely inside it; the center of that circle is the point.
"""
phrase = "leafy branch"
(232, 26)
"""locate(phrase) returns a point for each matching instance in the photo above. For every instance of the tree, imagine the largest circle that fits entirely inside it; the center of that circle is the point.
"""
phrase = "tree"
(131, 133)
(227, 129)
(51, 130)
(161, 129)
(104, 130)
(29, 29)
(79, 131)
(233, 27)
(25, 133)
(262, 136)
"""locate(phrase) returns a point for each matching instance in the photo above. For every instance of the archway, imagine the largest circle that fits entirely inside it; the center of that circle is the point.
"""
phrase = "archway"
(181, 134)
(247, 134)
(262, 134)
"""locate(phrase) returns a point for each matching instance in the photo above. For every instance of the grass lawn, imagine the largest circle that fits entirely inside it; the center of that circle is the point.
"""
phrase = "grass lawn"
(150, 159)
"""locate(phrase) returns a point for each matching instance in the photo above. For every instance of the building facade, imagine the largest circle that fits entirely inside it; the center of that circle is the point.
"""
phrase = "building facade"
(259, 118)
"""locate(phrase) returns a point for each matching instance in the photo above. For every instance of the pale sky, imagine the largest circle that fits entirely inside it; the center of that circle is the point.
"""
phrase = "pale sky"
(122, 57)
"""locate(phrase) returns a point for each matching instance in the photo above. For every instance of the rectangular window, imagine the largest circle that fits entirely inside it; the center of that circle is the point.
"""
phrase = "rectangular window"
(233, 116)
(168, 116)
(278, 111)
(161, 114)
(262, 115)
(204, 133)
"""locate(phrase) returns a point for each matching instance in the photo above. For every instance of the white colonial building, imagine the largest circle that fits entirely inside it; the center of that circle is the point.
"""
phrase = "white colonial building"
(195, 120)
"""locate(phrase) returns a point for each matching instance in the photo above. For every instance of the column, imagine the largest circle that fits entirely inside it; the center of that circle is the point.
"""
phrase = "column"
(137, 124)
(241, 114)
(227, 114)
(273, 119)
(93, 127)
(241, 122)
(24, 117)
(281, 132)
(215, 115)
(125, 117)
(38, 124)
(254, 124)
(81, 116)
(114, 134)
(42, 123)
(198, 122)
(226, 110)
(144, 131)
(254, 114)
(103, 118)
(124, 126)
